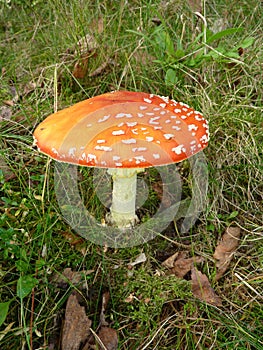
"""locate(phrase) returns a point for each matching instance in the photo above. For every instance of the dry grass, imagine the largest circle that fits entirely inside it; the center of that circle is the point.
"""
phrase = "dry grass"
(37, 43)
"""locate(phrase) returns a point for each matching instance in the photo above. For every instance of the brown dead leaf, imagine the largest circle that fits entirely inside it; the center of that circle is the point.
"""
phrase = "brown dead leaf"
(81, 66)
(225, 250)
(169, 262)
(156, 20)
(73, 239)
(5, 113)
(102, 67)
(129, 299)
(97, 25)
(105, 300)
(9, 103)
(166, 200)
(109, 338)
(179, 265)
(202, 289)
(70, 277)
(77, 242)
(85, 48)
(7, 171)
(31, 86)
(76, 328)
(86, 44)
(100, 25)
(183, 266)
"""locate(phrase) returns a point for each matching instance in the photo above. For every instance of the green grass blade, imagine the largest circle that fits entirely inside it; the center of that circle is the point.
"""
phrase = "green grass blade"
(222, 34)
(4, 307)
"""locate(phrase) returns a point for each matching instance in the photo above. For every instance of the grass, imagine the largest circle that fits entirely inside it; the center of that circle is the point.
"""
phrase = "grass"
(37, 46)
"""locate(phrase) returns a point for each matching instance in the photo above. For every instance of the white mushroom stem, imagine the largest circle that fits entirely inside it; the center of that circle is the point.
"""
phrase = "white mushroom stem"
(122, 211)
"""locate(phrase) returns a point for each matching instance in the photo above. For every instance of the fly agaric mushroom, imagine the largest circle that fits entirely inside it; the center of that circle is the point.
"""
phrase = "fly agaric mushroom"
(124, 132)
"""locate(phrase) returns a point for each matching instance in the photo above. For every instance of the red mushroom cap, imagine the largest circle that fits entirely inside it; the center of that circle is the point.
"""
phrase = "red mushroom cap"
(123, 129)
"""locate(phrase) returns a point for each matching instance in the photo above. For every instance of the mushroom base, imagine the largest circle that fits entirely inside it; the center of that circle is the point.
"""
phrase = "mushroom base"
(122, 211)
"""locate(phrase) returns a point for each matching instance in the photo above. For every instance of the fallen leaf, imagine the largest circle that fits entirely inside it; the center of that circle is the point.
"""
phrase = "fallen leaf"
(6, 170)
(76, 328)
(86, 44)
(73, 239)
(106, 337)
(129, 299)
(81, 66)
(70, 277)
(179, 265)
(169, 262)
(165, 200)
(100, 25)
(15, 96)
(109, 338)
(225, 250)
(183, 266)
(5, 113)
(140, 259)
(77, 242)
(97, 25)
(101, 68)
(9, 103)
(85, 48)
(105, 300)
(156, 20)
(30, 87)
(202, 289)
